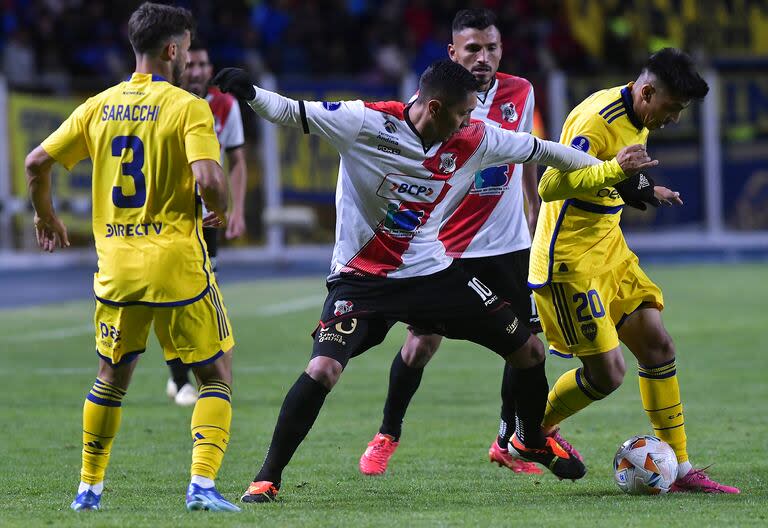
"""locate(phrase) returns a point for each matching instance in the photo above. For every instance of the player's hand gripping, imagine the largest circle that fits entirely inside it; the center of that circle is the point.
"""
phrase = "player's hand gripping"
(639, 190)
(51, 233)
(634, 159)
(235, 81)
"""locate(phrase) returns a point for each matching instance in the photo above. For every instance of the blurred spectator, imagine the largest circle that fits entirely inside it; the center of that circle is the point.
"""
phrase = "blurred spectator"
(379, 39)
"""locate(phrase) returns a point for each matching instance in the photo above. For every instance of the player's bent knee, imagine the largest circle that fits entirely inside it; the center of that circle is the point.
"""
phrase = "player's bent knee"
(325, 371)
(221, 369)
(529, 355)
(418, 350)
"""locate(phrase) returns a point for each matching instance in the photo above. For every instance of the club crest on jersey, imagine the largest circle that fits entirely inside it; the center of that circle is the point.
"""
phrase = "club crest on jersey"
(509, 112)
(491, 181)
(342, 307)
(580, 143)
(447, 162)
(331, 106)
(589, 330)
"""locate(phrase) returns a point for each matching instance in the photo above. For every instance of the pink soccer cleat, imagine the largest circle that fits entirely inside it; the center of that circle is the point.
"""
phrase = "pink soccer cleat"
(376, 457)
(697, 481)
(503, 458)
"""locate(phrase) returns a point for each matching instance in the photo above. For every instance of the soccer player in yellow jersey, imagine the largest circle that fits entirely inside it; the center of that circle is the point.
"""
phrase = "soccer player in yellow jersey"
(589, 288)
(153, 148)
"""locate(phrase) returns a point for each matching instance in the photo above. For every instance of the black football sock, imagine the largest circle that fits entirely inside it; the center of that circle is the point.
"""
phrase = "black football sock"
(300, 408)
(179, 373)
(530, 389)
(507, 421)
(404, 381)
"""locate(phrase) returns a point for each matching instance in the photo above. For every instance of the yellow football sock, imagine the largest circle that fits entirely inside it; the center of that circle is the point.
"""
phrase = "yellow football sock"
(101, 421)
(571, 393)
(210, 428)
(660, 392)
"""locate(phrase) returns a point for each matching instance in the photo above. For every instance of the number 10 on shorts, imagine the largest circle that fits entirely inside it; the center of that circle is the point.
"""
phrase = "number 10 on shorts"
(485, 293)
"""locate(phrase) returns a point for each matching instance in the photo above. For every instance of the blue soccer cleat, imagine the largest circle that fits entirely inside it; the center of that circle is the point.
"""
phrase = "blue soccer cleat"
(208, 499)
(86, 501)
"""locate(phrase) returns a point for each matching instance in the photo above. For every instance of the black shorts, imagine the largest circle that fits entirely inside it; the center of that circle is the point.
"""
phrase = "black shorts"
(359, 311)
(507, 276)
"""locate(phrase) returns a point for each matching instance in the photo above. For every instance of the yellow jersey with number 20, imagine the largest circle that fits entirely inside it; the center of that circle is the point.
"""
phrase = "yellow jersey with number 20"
(579, 237)
(142, 136)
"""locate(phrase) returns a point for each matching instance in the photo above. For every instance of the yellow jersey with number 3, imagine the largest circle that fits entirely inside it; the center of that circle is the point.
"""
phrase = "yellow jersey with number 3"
(579, 237)
(142, 136)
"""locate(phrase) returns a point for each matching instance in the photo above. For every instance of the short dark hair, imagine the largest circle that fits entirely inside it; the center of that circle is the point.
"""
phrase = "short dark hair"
(198, 44)
(676, 70)
(152, 25)
(446, 81)
(478, 18)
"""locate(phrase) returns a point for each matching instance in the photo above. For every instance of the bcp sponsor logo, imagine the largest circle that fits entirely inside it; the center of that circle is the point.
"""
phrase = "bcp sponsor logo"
(409, 189)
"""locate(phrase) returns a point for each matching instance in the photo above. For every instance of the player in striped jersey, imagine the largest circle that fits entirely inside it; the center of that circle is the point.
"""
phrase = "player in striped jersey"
(489, 232)
(589, 287)
(153, 148)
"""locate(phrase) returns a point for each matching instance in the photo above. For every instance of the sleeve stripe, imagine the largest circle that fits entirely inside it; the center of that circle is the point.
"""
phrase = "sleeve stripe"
(303, 114)
(233, 147)
(533, 151)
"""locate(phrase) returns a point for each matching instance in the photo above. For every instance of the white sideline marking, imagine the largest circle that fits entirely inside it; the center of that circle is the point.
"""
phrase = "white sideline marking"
(48, 335)
(286, 307)
(269, 310)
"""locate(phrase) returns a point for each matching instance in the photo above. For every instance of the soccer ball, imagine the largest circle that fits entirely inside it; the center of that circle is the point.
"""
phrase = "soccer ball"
(644, 465)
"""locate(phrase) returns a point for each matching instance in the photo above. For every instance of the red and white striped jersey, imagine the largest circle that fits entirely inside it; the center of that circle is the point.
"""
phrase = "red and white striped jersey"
(490, 220)
(390, 184)
(228, 123)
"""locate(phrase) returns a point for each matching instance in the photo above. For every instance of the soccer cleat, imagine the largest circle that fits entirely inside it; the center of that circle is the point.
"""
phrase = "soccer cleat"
(187, 396)
(376, 456)
(207, 499)
(261, 491)
(562, 442)
(171, 390)
(86, 501)
(503, 458)
(696, 480)
(552, 456)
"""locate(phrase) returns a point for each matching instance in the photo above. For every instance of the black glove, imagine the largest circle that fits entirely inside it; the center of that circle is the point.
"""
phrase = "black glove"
(235, 81)
(637, 190)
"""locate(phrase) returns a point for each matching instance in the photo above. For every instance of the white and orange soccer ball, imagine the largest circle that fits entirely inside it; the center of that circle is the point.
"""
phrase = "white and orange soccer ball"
(645, 465)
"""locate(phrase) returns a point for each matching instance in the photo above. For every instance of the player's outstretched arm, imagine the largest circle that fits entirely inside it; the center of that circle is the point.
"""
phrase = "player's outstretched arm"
(213, 186)
(557, 184)
(49, 229)
(271, 106)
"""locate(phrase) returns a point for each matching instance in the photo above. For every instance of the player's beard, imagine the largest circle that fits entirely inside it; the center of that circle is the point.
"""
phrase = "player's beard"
(177, 67)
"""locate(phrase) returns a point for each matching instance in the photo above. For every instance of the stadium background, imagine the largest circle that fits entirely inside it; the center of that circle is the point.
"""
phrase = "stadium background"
(55, 53)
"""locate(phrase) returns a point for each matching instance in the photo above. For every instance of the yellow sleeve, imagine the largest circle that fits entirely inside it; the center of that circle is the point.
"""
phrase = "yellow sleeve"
(200, 140)
(67, 145)
(585, 133)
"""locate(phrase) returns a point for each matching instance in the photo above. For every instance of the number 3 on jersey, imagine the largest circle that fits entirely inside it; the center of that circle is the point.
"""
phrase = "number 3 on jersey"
(132, 169)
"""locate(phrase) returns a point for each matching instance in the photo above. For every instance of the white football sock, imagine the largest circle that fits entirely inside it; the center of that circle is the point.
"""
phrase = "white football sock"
(683, 468)
(203, 482)
(96, 488)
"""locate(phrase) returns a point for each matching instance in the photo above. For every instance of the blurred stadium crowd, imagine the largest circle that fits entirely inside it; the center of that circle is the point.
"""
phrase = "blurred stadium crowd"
(56, 44)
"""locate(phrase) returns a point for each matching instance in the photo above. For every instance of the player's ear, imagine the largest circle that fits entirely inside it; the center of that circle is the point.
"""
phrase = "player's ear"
(452, 51)
(169, 51)
(647, 92)
(434, 107)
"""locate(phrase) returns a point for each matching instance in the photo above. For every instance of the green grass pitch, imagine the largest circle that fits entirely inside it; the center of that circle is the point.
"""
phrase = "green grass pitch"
(440, 475)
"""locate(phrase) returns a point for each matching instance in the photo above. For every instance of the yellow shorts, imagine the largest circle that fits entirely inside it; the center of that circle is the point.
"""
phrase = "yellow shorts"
(195, 333)
(580, 318)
